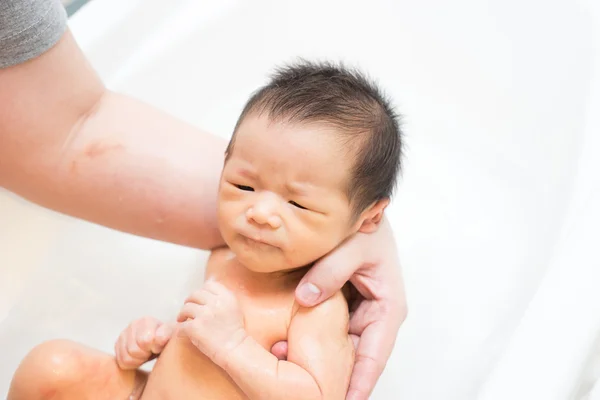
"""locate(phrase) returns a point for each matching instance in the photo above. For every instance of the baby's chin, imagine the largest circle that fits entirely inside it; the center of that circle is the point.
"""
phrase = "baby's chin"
(255, 263)
(262, 261)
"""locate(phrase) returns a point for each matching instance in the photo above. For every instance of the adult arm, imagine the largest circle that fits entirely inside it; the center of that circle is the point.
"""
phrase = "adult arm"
(69, 144)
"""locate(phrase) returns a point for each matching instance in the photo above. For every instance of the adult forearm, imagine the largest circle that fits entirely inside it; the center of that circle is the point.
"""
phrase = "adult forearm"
(133, 168)
(68, 144)
(262, 377)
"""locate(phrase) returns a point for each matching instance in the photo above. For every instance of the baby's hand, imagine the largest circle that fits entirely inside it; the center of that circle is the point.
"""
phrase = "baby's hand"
(211, 318)
(141, 341)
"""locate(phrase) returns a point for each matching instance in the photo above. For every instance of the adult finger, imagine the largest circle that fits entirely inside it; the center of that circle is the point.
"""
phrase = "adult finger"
(372, 353)
(374, 349)
(327, 276)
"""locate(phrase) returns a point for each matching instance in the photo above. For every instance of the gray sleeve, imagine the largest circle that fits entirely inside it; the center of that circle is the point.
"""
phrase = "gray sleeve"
(28, 28)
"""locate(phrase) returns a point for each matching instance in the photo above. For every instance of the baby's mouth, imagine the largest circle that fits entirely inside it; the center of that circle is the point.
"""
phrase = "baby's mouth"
(257, 241)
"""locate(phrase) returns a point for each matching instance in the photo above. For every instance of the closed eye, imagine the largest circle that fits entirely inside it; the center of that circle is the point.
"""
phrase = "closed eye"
(292, 202)
(245, 188)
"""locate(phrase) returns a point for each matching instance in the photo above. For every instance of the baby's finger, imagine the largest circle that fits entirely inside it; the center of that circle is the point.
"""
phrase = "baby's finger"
(118, 352)
(132, 348)
(214, 287)
(188, 311)
(124, 359)
(144, 334)
(200, 297)
(186, 329)
(180, 329)
(161, 338)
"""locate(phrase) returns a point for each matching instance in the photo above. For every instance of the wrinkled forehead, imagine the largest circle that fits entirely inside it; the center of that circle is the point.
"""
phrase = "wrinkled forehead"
(311, 152)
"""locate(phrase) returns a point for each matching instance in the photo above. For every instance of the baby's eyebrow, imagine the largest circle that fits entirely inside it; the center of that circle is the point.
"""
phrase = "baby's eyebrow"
(297, 189)
(246, 172)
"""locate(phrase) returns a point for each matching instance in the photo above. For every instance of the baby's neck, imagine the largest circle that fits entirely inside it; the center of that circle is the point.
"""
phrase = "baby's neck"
(279, 278)
(276, 279)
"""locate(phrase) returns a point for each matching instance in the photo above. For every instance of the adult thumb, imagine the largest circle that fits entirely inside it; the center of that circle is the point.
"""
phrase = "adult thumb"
(326, 277)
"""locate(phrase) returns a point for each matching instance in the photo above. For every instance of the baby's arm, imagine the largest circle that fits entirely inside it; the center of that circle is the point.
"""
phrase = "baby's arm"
(320, 358)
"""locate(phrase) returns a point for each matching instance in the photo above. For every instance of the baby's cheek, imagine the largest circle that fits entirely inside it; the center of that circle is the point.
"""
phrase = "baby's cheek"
(229, 193)
(229, 209)
(227, 216)
(307, 247)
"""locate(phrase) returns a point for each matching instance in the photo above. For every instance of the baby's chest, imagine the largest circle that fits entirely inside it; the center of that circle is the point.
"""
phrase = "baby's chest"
(266, 317)
(267, 304)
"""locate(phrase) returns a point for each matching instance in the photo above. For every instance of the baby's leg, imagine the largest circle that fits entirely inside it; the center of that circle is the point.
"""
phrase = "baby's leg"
(61, 369)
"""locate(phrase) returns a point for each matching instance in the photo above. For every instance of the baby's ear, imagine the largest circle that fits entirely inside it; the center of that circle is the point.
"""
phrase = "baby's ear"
(372, 217)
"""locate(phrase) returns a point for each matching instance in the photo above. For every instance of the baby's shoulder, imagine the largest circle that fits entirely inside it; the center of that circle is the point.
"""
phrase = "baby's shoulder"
(335, 308)
(219, 258)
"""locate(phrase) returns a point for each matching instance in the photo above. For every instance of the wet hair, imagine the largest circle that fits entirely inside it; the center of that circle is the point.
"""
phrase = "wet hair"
(322, 92)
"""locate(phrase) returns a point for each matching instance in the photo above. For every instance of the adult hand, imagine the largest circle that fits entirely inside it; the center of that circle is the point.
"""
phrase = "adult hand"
(370, 263)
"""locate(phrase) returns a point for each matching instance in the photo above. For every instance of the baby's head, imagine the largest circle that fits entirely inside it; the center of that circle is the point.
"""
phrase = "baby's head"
(313, 160)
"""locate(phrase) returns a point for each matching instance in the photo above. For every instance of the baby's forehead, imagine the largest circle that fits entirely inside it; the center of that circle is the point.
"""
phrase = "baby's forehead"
(297, 174)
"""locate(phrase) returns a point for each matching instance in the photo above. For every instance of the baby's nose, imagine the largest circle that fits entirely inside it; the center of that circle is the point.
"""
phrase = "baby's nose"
(264, 212)
(263, 219)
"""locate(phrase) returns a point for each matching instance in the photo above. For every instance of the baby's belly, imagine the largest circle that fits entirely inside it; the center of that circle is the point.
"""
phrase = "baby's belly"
(183, 372)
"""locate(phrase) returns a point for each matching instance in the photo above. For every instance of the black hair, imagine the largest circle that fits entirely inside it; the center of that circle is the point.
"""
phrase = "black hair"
(323, 92)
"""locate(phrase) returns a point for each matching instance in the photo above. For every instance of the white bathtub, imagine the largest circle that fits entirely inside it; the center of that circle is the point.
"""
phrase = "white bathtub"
(495, 217)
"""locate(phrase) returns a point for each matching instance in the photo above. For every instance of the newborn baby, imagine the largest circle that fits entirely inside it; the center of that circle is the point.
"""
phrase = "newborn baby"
(312, 161)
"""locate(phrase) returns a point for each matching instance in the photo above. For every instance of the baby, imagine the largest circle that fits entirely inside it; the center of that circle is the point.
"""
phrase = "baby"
(313, 160)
